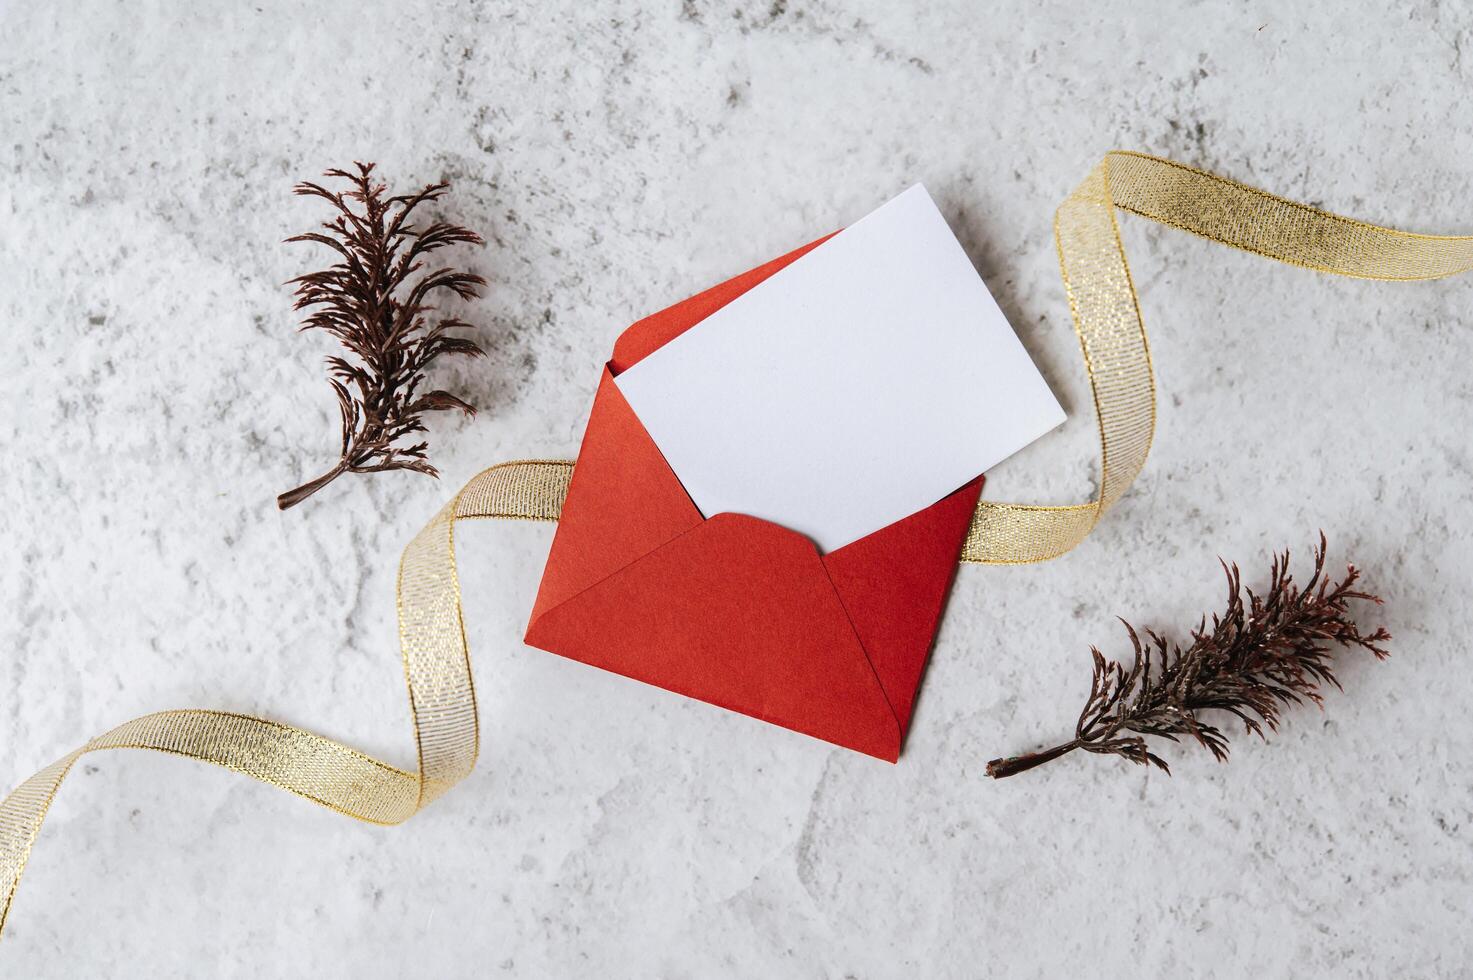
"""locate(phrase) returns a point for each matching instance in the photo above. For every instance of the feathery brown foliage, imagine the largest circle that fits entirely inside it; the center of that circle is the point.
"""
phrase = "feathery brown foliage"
(1259, 656)
(376, 300)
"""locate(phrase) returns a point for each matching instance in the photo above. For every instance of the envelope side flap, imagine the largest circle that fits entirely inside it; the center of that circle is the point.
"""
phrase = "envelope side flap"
(740, 613)
(644, 337)
(893, 585)
(623, 501)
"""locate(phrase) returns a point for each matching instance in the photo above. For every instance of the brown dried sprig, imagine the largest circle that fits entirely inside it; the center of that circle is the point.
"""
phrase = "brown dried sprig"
(1257, 658)
(376, 300)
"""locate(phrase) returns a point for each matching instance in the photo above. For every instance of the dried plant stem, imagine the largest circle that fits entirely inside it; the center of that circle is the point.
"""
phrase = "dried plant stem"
(293, 497)
(1263, 653)
(998, 768)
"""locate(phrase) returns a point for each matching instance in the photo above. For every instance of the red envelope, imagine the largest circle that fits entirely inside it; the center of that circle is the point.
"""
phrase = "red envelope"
(733, 610)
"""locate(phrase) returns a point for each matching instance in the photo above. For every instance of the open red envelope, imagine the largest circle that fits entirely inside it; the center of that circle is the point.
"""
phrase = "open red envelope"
(734, 610)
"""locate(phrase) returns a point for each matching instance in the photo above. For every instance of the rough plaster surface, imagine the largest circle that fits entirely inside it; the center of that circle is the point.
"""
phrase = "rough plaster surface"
(154, 397)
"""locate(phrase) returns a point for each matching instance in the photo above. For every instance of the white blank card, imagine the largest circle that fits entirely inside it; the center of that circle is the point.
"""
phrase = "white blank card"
(862, 383)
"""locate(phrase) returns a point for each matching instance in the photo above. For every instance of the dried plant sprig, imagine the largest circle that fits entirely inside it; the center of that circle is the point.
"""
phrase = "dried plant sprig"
(1259, 656)
(376, 300)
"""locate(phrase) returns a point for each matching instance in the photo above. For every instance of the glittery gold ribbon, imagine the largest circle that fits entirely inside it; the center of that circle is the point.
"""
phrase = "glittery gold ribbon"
(432, 637)
(1107, 316)
(437, 670)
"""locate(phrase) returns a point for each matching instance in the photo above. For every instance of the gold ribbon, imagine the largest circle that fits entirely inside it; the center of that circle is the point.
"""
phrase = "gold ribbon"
(431, 633)
(1107, 315)
(437, 670)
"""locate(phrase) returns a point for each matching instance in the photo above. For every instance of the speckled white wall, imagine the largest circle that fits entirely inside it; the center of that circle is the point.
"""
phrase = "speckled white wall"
(154, 397)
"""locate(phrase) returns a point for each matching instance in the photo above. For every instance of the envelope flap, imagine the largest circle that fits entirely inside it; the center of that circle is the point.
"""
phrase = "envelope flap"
(622, 502)
(893, 584)
(738, 612)
(644, 337)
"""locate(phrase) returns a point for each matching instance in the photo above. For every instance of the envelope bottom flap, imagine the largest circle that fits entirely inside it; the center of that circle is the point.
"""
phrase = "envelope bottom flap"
(740, 613)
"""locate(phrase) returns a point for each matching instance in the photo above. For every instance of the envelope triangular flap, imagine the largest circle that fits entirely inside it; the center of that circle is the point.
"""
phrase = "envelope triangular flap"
(893, 585)
(740, 613)
(623, 501)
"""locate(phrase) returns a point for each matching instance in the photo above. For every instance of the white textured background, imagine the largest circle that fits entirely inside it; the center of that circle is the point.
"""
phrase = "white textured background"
(154, 398)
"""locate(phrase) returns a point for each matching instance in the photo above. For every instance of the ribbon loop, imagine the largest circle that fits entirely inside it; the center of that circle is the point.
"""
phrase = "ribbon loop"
(1112, 336)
